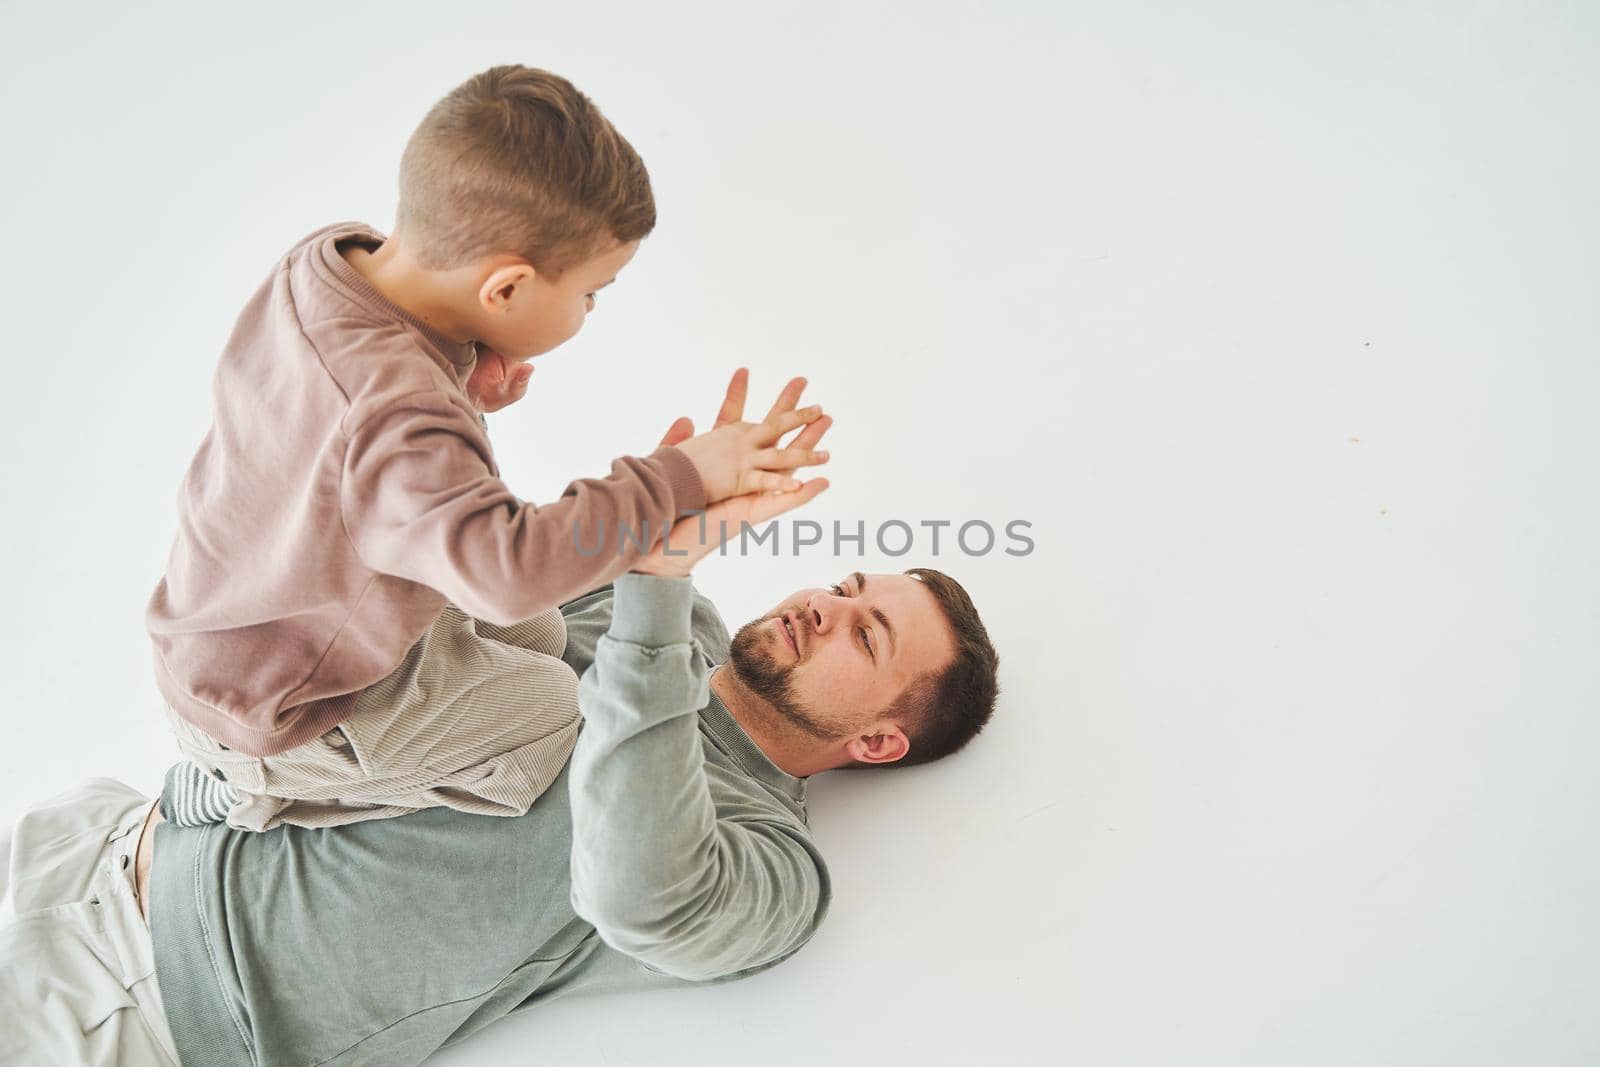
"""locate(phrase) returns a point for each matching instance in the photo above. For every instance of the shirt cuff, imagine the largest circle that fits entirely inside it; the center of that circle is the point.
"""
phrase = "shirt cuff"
(688, 491)
(651, 610)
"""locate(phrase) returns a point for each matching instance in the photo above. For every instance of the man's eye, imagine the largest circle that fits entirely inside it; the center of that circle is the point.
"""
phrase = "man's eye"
(865, 641)
(837, 590)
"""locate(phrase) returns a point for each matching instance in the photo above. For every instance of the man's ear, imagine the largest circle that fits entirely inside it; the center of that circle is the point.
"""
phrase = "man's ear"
(887, 745)
(502, 283)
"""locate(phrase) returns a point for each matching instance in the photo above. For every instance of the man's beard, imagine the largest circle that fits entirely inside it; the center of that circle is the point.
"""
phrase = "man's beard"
(750, 658)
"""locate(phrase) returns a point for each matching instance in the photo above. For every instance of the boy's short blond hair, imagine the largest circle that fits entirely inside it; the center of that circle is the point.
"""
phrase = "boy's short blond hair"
(518, 160)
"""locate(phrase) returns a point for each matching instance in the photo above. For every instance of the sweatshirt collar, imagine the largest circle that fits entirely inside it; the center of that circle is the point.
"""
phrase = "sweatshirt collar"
(731, 736)
(462, 354)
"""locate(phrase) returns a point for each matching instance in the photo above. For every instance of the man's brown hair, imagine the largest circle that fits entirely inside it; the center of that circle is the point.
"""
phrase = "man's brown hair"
(941, 712)
(518, 160)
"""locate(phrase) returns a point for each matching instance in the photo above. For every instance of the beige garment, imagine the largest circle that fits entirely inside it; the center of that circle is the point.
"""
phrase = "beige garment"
(78, 985)
(477, 717)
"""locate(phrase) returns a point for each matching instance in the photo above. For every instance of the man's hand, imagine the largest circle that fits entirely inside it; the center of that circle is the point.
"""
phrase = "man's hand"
(737, 457)
(496, 382)
(693, 538)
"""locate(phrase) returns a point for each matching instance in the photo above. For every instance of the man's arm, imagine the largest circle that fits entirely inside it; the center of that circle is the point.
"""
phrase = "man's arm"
(658, 874)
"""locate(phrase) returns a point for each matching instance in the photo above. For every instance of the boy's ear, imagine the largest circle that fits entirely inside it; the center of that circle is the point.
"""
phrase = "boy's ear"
(502, 283)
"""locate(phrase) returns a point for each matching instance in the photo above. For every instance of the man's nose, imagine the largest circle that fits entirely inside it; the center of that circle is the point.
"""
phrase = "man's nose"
(824, 608)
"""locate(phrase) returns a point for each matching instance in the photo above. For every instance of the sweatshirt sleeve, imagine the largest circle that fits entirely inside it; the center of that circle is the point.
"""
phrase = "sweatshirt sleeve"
(660, 876)
(420, 500)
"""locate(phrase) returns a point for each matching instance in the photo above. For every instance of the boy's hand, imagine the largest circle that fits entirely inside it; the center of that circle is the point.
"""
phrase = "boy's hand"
(496, 382)
(739, 457)
(680, 431)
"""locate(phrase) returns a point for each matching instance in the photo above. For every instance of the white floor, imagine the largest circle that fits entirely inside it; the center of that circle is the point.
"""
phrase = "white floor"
(1276, 322)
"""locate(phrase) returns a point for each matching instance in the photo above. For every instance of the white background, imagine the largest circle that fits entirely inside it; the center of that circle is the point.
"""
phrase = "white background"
(1276, 320)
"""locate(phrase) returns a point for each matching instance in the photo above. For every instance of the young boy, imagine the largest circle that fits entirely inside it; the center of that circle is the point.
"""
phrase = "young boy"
(358, 617)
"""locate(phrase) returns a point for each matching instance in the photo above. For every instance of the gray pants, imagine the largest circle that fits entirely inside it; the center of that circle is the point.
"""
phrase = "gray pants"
(477, 717)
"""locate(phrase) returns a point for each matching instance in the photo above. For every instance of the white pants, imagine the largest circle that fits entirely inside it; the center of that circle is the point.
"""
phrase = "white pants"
(78, 982)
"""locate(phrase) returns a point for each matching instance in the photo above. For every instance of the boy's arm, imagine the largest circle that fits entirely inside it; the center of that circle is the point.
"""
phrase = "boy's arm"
(653, 868)
(420, 500)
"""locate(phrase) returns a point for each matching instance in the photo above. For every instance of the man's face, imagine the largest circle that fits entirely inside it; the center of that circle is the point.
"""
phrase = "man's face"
(832, 660)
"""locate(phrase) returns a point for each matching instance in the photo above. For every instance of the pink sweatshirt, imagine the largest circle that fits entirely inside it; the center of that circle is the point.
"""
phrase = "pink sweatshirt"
(346, 489)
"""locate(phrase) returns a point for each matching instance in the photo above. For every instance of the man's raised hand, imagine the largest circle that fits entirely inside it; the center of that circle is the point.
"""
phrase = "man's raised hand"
(695, 537)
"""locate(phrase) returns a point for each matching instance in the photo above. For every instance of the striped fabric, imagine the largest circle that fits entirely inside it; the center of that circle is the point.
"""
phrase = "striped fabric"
(477, 717)
(193, 798)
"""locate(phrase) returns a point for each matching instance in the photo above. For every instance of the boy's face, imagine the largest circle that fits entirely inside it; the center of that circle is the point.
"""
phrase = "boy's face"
(525, 314)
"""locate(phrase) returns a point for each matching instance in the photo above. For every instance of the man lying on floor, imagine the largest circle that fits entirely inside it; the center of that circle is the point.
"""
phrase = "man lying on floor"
(676, 850)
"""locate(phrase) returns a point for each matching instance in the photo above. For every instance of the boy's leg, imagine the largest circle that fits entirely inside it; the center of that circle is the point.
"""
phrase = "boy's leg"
(466, 721)
(191, 796)
(217, 784)
(321, 780)
(478, 723)
(545, 632)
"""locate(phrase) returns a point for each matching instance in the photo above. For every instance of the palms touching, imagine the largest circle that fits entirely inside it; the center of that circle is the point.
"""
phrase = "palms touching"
(693, 538)
(737, 457)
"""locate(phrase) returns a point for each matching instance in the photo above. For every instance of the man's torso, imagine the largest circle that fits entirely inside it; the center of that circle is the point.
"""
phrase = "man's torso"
(387, 939)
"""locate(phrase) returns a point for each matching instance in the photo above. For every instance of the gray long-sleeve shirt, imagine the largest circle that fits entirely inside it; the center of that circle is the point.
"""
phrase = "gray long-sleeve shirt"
(670, 849)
